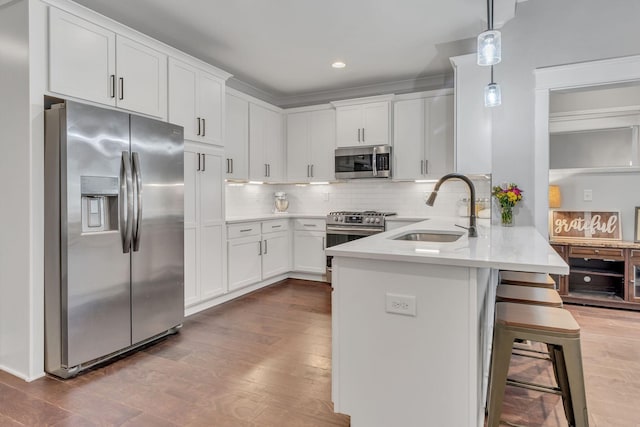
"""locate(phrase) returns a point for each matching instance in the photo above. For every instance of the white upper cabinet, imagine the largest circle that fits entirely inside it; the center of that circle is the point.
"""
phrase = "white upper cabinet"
(310, 145)
(142, 78)
(82, 58)
(473, 128)
(236, 145)
(363, 121)
(266, 147)
(196, 102)
(90, 62)
(423, 145)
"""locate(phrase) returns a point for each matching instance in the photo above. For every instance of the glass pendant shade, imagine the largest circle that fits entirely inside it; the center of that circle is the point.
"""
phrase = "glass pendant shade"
(489, 48)
(492, 95)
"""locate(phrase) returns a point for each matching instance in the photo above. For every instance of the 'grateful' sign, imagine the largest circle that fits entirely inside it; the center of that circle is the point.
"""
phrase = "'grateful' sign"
(586, 225)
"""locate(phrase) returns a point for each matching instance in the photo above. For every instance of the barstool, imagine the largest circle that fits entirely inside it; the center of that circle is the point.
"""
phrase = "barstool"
(555, 327)
(528, 295)
(538, 280)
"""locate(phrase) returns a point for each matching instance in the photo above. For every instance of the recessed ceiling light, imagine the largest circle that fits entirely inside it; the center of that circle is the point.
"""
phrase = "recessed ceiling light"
(338, 64)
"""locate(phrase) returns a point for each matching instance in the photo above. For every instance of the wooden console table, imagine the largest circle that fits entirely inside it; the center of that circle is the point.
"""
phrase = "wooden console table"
(602, 273)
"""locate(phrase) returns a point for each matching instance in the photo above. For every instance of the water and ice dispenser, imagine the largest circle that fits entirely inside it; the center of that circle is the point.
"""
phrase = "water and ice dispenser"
(99, 204)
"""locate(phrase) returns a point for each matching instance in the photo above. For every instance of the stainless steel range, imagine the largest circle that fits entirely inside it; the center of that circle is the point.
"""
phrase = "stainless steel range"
(344, 226)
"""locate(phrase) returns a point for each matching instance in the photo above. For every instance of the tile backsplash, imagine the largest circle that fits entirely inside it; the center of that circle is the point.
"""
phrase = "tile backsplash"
(403, 198)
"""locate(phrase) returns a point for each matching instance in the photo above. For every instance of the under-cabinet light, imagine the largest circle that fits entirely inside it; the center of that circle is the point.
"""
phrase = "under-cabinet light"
(256, 182)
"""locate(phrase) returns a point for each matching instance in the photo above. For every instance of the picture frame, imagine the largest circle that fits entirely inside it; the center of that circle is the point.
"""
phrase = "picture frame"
(636, 233)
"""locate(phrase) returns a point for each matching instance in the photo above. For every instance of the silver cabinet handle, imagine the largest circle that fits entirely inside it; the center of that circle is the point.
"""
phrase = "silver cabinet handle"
(323, 247)
(421, 167)
(198, 169)
(268, 169)
(358, 134)
(311, 171)
(426, 167)
(113, 86)
(245, 230)
(310, 225)
(265, 170)
(199, 126)
(265, 246)
(275, 226)
(126, 202)
(137, 179)
(363, 135)
(204, 160)
(231, 165)
(121, 81)
(260, 247)
(374, 159)
(204, 126)
(228, 167)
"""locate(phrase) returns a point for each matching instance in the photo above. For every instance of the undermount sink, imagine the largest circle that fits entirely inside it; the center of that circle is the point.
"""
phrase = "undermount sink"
(430, 236)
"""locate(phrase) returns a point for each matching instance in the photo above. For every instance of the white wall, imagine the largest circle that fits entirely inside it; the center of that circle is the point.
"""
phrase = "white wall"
(404, 198)
(15, 255)
(546, 33)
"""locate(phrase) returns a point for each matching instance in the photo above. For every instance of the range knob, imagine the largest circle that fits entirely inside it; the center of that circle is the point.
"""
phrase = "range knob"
(377, 220)
(335, 218)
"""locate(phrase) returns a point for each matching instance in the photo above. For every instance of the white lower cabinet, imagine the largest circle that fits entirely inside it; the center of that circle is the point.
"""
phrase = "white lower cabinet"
(204, 224)
(309, 245)
(257, 251)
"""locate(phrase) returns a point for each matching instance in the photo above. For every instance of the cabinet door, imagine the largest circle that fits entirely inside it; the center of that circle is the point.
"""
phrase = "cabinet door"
(274, 146)
(257, 134)
(322, 145)
(349, 125)
(308, 252)
(81, 58)
(191, 291)
(633, 293)
(408, 139)
(375, 123)
(142, 78)
(275, 254)
(244, 261)
(298, 164)
(237, 140)
(182, 97)
(210, 107)
(211, 189)
(212, 248)
(439, 144)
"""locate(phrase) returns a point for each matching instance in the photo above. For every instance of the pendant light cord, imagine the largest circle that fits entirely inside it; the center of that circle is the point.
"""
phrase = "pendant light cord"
(490, 14)
(492, 74)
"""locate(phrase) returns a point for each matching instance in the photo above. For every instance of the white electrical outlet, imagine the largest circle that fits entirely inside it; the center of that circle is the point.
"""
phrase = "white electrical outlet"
(401, 304)
(588, 195)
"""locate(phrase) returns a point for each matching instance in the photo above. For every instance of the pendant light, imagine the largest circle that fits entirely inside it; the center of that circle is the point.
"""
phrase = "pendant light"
(489, 42)
(492, 93)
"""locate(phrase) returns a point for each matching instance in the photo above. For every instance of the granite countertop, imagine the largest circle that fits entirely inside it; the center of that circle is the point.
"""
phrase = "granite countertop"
(269, 216)
(621, 244)
(509, 248)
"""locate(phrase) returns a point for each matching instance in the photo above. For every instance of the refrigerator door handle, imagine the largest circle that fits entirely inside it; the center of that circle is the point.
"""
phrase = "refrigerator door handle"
(137, 180)
(126, 202)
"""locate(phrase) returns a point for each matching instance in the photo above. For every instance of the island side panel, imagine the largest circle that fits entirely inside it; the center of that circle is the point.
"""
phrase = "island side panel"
(391, 369)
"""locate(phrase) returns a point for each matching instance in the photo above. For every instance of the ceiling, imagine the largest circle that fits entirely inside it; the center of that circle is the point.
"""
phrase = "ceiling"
(284, 48)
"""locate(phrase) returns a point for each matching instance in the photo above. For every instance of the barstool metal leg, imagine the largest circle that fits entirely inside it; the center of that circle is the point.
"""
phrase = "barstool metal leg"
(575, 377)
(500, 360)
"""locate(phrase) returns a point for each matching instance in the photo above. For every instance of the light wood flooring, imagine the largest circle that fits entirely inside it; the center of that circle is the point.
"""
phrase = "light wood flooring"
(265, 360)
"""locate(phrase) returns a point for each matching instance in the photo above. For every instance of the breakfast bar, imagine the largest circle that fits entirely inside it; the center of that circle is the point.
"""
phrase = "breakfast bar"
(413, 318)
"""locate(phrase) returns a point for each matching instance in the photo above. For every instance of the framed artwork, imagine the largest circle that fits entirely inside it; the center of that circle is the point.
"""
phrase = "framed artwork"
(588, 225)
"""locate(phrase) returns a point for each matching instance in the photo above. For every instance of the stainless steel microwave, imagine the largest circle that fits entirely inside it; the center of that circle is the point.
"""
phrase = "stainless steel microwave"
(363, 162)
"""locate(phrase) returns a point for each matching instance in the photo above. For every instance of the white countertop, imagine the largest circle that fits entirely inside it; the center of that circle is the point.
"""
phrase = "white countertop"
(508, 248)
(269, 216)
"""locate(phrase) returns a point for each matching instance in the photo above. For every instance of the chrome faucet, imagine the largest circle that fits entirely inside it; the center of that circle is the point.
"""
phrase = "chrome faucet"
(473, 231)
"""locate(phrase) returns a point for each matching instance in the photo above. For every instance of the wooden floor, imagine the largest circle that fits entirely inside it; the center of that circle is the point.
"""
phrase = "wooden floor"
(265, 360)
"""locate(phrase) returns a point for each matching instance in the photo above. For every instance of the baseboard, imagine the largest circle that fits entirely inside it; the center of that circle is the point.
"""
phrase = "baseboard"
(314, 277)
(21, 375)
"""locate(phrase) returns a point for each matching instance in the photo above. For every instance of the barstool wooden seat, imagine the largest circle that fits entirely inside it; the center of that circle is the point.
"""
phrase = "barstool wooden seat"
(555, 327)
(528, 295)
(522, 278)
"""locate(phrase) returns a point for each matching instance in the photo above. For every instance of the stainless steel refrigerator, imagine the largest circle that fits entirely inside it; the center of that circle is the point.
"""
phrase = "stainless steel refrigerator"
(114, 237)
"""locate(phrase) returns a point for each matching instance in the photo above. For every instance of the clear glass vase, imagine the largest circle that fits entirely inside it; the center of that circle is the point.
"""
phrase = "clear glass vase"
(506, 216)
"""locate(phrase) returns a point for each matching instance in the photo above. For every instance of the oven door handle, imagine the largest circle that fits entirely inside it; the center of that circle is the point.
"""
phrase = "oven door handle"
(353, 231)
(374, 161)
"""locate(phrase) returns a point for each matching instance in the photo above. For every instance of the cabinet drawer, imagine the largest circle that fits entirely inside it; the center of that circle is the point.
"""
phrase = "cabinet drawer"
(245, 229)
(274, 226)
(310, 224)
(609, 253)
(635, 253)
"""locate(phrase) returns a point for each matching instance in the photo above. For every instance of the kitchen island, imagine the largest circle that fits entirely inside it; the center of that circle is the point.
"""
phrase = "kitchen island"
(412, 320)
